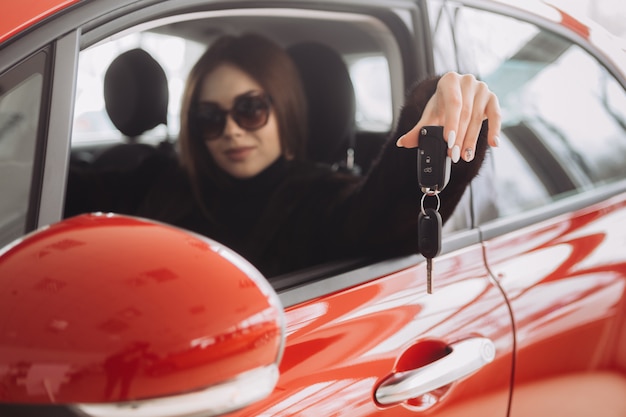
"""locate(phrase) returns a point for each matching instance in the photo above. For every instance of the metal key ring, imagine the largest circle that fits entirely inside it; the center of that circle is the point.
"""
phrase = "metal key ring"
(435, 194)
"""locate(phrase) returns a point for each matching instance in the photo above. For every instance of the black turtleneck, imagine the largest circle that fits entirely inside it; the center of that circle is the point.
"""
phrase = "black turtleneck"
(238, 207)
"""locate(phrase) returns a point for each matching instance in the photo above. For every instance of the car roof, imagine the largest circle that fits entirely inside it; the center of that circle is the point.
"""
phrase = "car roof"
(18, 16)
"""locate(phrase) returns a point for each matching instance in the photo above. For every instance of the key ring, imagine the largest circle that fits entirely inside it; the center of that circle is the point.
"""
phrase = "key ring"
(430, 194)
(430, 191)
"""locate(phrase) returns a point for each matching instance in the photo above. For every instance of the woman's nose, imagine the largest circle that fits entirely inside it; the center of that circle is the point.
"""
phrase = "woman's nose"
(231, 128)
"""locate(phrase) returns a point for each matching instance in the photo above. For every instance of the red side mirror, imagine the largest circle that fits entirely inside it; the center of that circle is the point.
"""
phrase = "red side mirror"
(112, 313)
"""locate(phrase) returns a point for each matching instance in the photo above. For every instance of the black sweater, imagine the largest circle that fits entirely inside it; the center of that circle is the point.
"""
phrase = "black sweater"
(293, 214)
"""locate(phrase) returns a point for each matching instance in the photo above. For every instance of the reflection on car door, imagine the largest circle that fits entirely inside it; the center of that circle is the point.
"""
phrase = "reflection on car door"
(565, 279)
(557, 247)
(341, 346)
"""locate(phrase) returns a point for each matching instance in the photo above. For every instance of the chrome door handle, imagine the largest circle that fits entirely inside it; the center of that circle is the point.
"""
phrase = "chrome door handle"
(465, 358)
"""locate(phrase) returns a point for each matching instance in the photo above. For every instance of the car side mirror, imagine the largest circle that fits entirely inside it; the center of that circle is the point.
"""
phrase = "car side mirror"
(111, 315)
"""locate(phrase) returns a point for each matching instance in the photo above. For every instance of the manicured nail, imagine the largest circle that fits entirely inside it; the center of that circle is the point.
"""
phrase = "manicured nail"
(456, 154)
(399, 142)
(496, 139)
(451, 139)
(469, 154)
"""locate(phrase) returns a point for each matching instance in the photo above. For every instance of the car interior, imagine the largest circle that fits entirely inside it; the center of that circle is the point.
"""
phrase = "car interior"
(139, 96)
(322, 45)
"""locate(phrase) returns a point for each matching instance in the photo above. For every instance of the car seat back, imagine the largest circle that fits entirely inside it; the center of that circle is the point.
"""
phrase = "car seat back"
(136, 99)
(331, 100)
(136, 93)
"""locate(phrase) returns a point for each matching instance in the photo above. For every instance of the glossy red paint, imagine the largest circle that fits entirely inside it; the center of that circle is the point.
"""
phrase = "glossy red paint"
(18, 16)
(341, 347)
(566, 281)
(104, 308)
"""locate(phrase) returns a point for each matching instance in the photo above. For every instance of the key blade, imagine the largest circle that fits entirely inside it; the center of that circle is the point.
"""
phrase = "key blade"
(429, 275)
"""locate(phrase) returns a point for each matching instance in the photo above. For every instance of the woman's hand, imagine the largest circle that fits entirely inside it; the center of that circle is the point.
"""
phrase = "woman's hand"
(460, 104)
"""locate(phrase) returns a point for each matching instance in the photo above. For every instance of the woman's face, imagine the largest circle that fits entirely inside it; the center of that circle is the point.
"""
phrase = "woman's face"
(240, 152)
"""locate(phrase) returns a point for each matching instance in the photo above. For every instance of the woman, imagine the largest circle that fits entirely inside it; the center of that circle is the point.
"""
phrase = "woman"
(245, 181)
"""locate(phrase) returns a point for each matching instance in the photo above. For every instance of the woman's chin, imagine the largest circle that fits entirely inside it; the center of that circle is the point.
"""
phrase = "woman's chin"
(242, 171)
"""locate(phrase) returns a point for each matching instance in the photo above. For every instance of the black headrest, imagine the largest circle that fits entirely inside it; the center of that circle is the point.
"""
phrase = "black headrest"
(136, 92)
(330, 95)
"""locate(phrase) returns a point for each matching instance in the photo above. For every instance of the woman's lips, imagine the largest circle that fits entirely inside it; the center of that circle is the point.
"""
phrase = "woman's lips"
(239, 154)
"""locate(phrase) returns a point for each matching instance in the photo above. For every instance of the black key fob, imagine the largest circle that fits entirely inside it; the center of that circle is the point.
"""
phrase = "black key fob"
(429, 233)
(433, 162)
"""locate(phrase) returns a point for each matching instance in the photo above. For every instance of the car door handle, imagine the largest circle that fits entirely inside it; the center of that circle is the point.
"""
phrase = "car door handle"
(465, 358)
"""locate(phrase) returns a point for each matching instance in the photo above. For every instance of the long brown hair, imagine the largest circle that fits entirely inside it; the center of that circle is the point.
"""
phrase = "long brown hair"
(269, 65)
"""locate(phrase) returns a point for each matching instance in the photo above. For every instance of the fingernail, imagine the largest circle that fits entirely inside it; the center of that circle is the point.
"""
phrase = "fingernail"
(451, 139)
(399, 142)
(496, 139)
(456, 154)
(469, 154)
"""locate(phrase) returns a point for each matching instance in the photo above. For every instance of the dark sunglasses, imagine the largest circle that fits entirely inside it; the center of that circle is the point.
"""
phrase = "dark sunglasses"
(250, 111)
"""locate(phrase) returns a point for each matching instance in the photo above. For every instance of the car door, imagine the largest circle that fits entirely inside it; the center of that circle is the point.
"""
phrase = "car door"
(350, 334)
(362, 340)
(556, 245)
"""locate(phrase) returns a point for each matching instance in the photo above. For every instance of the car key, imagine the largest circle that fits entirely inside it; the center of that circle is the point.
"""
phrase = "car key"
(429, 244)
(433, 162)
(433, 174)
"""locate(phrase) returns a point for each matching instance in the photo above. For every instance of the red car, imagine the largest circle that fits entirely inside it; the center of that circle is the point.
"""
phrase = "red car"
(109, 315)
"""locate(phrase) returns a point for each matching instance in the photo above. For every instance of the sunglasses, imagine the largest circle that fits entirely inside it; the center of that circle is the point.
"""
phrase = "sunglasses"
(250, 111)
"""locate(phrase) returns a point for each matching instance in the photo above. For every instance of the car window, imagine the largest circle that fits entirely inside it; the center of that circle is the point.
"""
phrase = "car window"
(372, 88)
(579, 122)
(93, 131)
(563, 112)
(176, 56)
(21, 91)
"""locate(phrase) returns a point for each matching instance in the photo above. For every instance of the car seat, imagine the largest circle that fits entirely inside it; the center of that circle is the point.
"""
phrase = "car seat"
(331, 100)
(136, 99)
